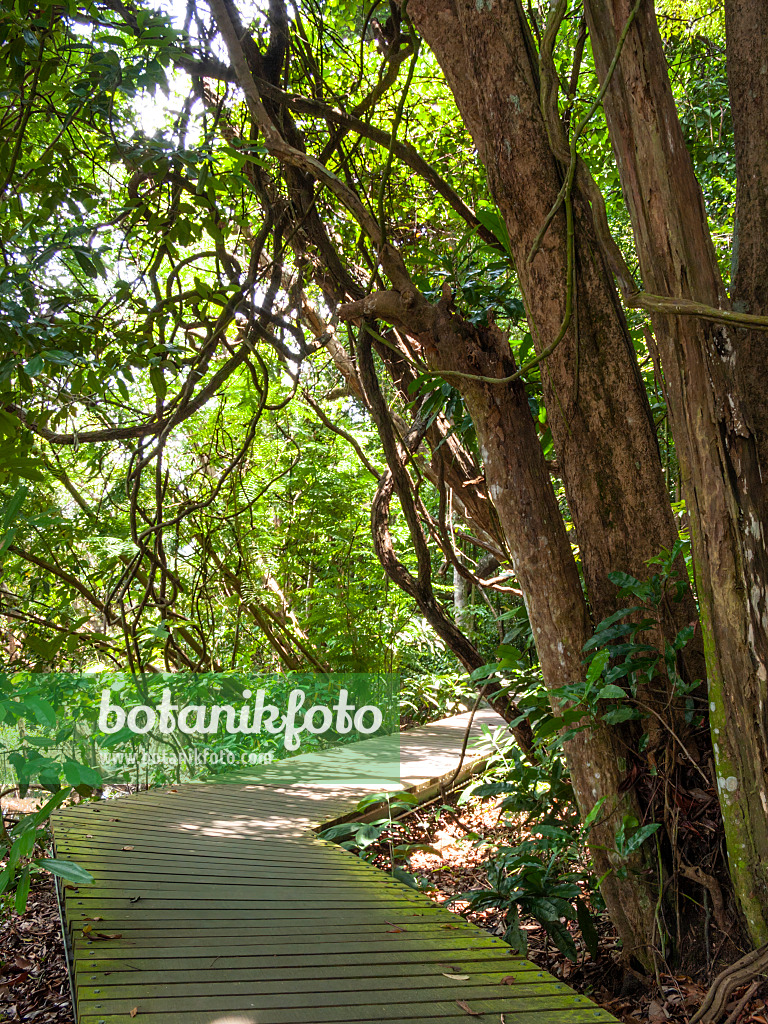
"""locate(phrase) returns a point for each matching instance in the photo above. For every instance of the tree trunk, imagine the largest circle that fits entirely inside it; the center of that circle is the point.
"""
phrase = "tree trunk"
(595, 399)
(746, 26)
(522, 492)
(462, 613)
(718, 439)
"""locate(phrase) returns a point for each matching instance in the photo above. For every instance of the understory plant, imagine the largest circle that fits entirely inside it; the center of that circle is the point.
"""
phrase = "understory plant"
(547, 876)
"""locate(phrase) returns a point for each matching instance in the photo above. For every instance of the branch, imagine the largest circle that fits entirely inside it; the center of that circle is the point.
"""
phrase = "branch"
(273, 140)
(688, 307)
(342, 433)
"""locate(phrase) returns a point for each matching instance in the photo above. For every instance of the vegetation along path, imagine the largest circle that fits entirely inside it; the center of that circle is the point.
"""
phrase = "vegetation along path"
(221, 905)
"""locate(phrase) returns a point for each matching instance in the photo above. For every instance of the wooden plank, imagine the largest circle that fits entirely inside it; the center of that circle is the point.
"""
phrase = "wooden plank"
(120, 971)
(196, 946)
(417, 987)
(264, 931)
(281, 918)
(247, 881)
(228, 909)
(407, 975)
(132, 960)
(448, 1013)
(485, 998)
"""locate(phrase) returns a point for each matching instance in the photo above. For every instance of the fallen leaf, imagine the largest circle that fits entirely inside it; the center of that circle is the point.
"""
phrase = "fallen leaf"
(86, 918)
(509, 980)
(395, 930)
(127, 847)
(134, 899)
(114, 819)
(134, 1011)
(656, 1012)
(468, 1009)
(456, 977)
(103, 935)
(23, 963)
(450, 926)
(87, 929)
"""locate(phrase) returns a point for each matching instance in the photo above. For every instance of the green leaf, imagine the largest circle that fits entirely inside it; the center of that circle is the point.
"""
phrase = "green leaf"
(594, 812)
(50, 806)
(5, 879)
(14, 505)
(492, 221)
(514, 935)
(611, 692)
(80, 774)
(65, 869)
(621, 715)
(7, 540)
(562, 938)
(597, 665)
(369, 834)
(637, 839)
(623, 580)
(22, 891)
(158, 381)
(406, 878)
(55, 355)
(620, 614)
(85, 262)
(34, 366)
(588, 930)
(41, 709)
(508, 655)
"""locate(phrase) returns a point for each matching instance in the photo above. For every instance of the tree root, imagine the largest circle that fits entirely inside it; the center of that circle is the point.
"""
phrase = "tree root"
(746, 969)
(739, 1008)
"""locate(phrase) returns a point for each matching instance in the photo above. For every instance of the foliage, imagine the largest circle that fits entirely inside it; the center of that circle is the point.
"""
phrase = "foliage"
(21, 850)
(620, 661)
(362, 838)
(189, 463)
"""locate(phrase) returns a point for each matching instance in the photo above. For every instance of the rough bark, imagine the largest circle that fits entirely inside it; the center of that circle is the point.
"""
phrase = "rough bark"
(529, 514)
(746, 26)
(596, 403)
(716, 433)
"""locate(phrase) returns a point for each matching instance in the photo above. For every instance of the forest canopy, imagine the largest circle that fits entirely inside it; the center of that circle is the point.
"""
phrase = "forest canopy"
(423, 338)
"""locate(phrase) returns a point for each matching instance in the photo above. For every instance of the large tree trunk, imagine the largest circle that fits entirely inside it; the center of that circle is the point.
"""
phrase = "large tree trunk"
(522, 492)
(595, 399)
(746, 26)
(717, 424)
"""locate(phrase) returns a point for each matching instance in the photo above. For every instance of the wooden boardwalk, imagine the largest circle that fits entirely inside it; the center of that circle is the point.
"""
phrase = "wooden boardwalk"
(218, 904)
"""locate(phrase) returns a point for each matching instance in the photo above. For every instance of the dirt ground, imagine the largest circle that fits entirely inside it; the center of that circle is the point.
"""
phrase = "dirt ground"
(459, 868)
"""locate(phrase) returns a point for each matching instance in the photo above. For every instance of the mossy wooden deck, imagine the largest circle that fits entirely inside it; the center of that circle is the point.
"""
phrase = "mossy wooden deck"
(218, 904)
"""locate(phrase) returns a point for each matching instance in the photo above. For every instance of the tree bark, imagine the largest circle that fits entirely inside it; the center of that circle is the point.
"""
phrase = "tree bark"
(746, 26)
(595, 399)
(522, 492)
(716, 423)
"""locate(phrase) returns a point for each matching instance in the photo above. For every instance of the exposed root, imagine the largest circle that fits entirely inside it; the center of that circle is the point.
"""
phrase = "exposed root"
(744, 970)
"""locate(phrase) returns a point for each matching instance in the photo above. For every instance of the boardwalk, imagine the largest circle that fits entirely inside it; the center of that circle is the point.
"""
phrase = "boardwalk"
(218, 904)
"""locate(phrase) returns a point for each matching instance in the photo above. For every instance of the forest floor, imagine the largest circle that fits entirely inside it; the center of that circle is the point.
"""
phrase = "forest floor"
(33, 976)
(459, 869)
(34, 985)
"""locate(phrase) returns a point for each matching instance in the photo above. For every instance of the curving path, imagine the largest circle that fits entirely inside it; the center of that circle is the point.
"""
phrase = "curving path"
(218, 904)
